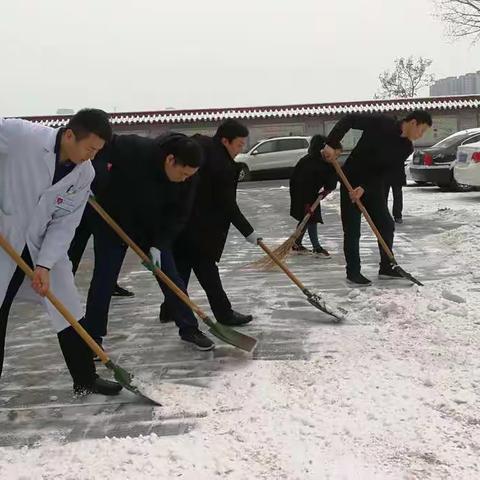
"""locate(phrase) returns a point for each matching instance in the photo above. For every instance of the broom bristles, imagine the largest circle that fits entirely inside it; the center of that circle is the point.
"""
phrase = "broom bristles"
(281, 252)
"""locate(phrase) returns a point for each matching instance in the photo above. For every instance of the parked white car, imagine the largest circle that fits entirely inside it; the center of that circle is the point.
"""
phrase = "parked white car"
(278, 154)
(466, 169)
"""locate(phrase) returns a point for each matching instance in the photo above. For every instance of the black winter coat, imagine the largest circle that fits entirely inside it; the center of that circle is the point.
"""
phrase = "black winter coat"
(215, 206)
(309, 176)
(381, 150)
(139, 196)
(396, 176)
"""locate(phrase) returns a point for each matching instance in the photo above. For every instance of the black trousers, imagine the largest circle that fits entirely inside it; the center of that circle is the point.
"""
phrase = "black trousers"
(206, 271)
(82, 234)
(374, 201)
(397, 191)
(177, 310)
(109, 255)
(12, 290)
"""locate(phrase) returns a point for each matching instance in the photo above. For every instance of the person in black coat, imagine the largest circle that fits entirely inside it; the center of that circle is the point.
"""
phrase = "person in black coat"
(149, 193)
(384, 146)
(200, 245)
(396, 180)
(310, 175)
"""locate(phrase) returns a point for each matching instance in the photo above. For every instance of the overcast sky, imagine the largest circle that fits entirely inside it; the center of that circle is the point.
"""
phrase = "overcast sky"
(124, 55)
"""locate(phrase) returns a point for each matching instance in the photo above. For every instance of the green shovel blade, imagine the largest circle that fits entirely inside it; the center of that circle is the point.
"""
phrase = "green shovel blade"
(231, 336)
(125, 379)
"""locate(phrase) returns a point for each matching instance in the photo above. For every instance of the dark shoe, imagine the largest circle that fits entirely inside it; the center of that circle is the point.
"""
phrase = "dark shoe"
(300, 249)
(399, 220)
(388, 272)
(195, 336)
(358, 279)
(99, 385)
(235, 319)
(164, 316)
(321, 252)
(118, 291)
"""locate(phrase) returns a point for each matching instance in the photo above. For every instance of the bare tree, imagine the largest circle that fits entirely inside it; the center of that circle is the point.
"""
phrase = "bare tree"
(462, 17)
(407, 77)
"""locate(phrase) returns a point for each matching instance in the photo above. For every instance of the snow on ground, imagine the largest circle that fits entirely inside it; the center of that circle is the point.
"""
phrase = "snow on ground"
(390, 394)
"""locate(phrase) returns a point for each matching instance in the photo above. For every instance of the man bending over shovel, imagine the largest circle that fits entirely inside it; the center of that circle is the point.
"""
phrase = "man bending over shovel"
(384, 146)
(45, 177)
(149, 194)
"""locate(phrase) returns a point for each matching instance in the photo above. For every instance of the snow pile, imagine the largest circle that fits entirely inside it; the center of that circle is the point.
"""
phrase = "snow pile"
(463, 242)
(264, 422)
(456, 215)
(406, 306)
(391, 393)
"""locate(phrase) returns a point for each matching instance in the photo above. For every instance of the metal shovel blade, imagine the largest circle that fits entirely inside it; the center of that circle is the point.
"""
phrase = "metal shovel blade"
(335, 311)
(406, 275)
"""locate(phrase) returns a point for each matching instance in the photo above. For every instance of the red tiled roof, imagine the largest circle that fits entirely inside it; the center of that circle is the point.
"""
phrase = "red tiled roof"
(278, 111)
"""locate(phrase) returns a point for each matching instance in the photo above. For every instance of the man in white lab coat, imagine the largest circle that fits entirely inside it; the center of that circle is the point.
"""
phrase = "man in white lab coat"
(45, 177)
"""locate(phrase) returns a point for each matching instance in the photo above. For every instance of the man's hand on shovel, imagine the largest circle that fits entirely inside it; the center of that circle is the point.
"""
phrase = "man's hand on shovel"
(356, 194)
(41, 280)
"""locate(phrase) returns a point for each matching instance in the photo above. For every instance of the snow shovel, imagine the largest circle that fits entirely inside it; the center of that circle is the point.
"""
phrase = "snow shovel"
(316, 300)
(222, 332)
(123, 377)
(380, 239)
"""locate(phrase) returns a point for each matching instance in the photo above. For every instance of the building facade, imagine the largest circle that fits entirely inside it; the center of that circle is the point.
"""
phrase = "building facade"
(450, 114)
(468, 84)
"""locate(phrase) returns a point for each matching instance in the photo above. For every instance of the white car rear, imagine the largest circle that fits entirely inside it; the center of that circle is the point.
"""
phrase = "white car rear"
(466, 169)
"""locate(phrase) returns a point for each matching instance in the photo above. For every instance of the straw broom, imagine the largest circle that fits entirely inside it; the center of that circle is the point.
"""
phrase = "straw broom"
(282, 251)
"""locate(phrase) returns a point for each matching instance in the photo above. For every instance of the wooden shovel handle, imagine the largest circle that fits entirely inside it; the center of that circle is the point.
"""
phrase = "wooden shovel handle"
(282, 265)
(55, 301)
(362, 208)
(145, 259)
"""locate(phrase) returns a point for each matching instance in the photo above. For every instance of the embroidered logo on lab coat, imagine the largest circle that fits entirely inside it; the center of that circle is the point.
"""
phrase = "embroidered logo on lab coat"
(65, 203)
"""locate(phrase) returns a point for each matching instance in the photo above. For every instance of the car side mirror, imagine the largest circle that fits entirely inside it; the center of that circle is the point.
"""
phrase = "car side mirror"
(255, 152)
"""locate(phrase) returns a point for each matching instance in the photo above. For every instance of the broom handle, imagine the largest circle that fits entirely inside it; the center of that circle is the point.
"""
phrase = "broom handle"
(164, 278)
(10, 251)
(290, 274)
(362, 208)
(306, 218)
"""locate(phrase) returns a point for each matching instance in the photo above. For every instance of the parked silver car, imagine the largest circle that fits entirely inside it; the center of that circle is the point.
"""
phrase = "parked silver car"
(277, 155)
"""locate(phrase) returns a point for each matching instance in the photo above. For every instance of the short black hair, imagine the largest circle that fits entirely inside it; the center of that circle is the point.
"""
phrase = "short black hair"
(421, 116)
(88, 121)
(187, 152)
(231, 129)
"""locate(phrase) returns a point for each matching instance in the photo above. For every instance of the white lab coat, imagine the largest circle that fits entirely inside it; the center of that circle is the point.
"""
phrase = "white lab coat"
(35, 213)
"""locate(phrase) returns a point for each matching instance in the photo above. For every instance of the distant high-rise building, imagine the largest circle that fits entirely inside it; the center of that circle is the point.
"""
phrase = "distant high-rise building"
(467, 84)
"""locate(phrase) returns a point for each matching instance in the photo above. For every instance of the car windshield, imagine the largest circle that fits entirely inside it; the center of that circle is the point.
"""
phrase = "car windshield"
(452, 140)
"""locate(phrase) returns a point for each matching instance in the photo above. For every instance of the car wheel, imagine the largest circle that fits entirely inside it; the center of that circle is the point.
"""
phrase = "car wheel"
(453, 186)
(459, 187)
(244, 175)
